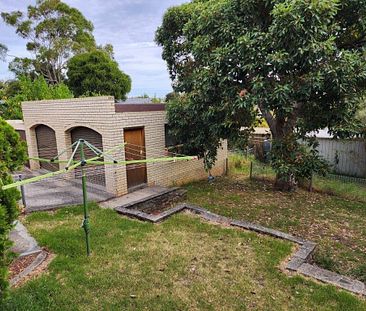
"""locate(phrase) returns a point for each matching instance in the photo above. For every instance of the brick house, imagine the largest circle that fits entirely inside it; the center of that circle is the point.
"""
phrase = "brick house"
(53, 125)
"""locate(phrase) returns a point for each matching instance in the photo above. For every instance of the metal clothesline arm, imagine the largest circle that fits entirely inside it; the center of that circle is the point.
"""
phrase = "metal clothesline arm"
(73, 154)
(98, 151)
(64, 151)
(38, 178)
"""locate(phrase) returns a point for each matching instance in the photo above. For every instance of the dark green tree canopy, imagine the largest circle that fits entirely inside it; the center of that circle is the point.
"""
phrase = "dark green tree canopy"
(301, 64)
(55, 32)
(96, 73)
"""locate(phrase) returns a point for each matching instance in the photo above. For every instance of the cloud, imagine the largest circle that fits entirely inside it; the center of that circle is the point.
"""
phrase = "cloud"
(129, 25)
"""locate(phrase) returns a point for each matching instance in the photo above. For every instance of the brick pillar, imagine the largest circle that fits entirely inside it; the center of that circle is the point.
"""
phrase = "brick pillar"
(32, 148)
(63, 141)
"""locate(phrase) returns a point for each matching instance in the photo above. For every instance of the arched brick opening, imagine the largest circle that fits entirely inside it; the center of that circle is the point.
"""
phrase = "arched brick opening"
(95, 174)
(46, 146)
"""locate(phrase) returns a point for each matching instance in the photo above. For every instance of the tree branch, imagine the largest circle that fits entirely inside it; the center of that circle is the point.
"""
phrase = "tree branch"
(269, 118)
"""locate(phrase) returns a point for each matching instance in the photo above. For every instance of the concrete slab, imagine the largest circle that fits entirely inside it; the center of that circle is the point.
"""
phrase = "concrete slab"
(327, 276)
(54, 193)
(134, 197)
(24, 243)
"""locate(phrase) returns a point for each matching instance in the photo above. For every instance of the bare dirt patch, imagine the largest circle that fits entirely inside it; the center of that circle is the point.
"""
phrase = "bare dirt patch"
(22, 263)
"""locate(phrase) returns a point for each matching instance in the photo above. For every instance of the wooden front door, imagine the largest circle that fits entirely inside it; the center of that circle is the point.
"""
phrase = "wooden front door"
(135, 150)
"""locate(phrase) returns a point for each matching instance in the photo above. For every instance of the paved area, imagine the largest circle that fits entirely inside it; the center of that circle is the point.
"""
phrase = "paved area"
(53, 193)
(135, 197)
(24, 243)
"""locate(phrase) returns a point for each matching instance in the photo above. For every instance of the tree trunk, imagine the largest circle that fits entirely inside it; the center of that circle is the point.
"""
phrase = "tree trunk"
(285, 182)
(282, 130)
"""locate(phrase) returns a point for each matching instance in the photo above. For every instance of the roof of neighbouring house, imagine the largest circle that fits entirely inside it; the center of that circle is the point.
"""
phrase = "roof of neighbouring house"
(259, 130)
(138, 107)
(323, 133)
(135, 100)
(136, 104)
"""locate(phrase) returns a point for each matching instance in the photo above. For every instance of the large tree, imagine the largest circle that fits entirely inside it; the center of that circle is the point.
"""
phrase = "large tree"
(55, 32)
(96, 73)
(301, 64)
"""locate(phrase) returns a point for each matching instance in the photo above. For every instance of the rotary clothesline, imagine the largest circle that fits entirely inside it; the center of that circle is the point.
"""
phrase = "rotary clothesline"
(130, 149)
(82, 163)
(91, 165)
(97, 168)
(140, 159)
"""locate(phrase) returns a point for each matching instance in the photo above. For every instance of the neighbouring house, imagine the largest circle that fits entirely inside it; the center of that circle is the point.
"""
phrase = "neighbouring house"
(51, 126)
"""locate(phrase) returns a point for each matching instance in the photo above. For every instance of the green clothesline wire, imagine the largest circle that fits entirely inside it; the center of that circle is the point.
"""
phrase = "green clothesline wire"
(51, 174)
(38, 178)
(83, 162)
(153, 160)
(92, 161)
(51, 161)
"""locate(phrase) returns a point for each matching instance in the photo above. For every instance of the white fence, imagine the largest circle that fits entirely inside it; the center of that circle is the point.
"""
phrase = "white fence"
(348, 156)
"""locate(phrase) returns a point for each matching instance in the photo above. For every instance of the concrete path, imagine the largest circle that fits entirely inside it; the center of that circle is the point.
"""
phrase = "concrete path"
(53, 193)
(24, 243)
(134, 197)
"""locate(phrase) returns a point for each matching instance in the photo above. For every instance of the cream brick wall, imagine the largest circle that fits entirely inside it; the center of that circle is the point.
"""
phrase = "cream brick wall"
(98, 113)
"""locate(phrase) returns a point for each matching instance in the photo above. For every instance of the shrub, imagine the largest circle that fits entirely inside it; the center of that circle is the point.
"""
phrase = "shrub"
(12, 157)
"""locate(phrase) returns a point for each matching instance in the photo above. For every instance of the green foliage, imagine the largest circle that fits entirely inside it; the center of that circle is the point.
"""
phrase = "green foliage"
(9, 89)
(361, 115)
(24, 67)
(198, 131)
(299, 64)
(32, 90)
(96, 72)
(170, 96)
(12, 149)
(294, 161)
(3, 51)
(55, 31)
(12, 156)
(360, 273)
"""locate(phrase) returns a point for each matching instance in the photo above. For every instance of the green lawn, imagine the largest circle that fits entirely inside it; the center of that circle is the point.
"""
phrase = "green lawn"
(181, 264)
(336, 222)
(349, 190)
(331, 184)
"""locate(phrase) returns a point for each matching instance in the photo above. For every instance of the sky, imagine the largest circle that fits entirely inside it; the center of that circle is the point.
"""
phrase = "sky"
(129, 25)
